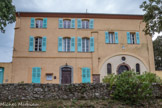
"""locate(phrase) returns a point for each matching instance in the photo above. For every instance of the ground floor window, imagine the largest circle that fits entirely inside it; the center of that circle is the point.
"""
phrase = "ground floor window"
(86, 75)
(109, 70)
(48, 77)
(122, 68)
(36, 75)
(1, 75)
(138, 68)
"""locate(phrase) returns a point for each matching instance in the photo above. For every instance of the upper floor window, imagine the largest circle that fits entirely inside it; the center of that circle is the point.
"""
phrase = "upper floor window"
(67, 23)
(133, 38)
(85, 24)
(66, 44)
(111, 37)
(39, 23)
(109, 70)
(85, 45)
(38, 44)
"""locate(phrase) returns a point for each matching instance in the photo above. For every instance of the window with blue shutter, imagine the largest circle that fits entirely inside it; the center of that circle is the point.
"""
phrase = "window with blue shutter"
(128, 37)
(137, 38)
(32, 23)
(116, 38)
(106, 37)
(91, 44)
(91, 23)
(86, 75)
(72, 44)
(1, 75)
(44, 39)
(60, 23)
(79, 41)
(79, 22)
(44, 22)
(72, 23)
(36, 75)
(31, 43)
(59, 44)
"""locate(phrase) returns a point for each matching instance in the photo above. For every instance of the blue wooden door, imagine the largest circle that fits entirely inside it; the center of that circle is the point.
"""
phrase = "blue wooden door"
(36, 75)
(86, 75)
(1, 75)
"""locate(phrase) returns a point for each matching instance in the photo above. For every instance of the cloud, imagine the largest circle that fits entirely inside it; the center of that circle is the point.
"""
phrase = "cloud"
(93, 6)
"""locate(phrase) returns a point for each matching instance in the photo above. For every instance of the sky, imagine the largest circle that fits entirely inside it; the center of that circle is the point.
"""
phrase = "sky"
(78, 6)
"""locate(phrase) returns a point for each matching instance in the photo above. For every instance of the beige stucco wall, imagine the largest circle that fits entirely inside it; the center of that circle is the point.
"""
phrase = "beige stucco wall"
(159, 73)
(7, 72)
(51, 60)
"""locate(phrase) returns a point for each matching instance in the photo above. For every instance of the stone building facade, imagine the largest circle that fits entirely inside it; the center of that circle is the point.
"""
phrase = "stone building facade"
(67, 48)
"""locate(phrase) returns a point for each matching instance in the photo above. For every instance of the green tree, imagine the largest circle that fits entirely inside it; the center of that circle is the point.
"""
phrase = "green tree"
(152, 16)
(157, 44)
(7, 14)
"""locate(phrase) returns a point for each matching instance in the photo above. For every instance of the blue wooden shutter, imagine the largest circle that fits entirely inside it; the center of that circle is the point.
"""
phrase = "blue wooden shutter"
(84, 76)
(59, 44)
(44, 22)
(91, 44)
(91, 23)
(1, 75)
(79, 41)
(44, 39)
(116, 38)
(79, 23)
(137, 38)
(106, 37)
(128, 37)
(34, 72)
(60, 23)
(38, 75)
(32, 23)
(88, 75)
(31, 43)
(72, 23)
(72, 44)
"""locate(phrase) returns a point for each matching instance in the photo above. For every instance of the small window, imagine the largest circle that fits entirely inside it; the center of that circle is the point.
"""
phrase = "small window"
(48, 77)
(85, 24)
(66, 44)
(85, 45)
(132, 38)
(138, 68)
(39, 23)
(111, 38)
(67, 23)
(38, 44)
(109, 70)
(123, 58)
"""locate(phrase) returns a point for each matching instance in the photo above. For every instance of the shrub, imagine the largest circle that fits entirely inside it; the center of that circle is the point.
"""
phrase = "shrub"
(111, 79)
(132, 88)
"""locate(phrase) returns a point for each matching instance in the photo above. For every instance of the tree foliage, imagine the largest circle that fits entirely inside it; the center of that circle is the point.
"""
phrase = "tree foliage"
(7, 14)
(157, 44)
(152, 16)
